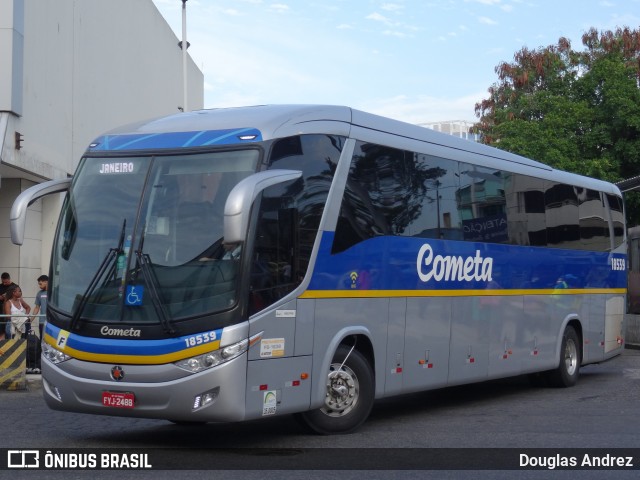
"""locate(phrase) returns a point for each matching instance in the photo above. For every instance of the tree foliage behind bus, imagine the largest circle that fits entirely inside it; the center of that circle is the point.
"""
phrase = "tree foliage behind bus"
(574, 110)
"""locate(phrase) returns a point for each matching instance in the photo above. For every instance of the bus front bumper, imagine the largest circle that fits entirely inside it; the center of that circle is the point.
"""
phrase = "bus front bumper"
(213, 395)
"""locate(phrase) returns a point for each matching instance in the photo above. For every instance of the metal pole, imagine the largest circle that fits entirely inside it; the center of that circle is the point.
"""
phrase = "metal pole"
(184, 55)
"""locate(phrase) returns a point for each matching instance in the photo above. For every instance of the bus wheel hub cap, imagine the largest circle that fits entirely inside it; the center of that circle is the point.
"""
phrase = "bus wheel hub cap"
(342, 391)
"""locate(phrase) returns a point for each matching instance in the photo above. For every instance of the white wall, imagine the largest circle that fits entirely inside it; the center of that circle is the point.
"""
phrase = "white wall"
(11, 51)
(92, 66)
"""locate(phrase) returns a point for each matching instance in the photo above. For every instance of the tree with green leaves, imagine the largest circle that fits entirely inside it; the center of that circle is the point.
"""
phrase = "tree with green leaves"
(574, 110)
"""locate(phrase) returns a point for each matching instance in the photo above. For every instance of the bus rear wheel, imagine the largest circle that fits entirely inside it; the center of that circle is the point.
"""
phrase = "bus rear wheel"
(566, 375)
(349, 395)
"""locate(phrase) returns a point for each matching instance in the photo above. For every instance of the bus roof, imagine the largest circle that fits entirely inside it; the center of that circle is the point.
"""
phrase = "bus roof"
(237, 125)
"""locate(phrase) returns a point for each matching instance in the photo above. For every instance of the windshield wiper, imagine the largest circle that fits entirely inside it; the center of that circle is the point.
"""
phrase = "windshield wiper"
(107, 262)
(144, 261)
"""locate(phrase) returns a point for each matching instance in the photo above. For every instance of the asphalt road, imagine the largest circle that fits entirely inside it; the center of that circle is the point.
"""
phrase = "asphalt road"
(601, 412)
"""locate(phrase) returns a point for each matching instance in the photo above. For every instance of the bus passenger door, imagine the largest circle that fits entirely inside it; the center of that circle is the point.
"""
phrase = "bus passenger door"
(280, 365)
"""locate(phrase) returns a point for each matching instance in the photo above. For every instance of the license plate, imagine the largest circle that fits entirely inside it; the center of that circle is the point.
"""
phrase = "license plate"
(118, 399)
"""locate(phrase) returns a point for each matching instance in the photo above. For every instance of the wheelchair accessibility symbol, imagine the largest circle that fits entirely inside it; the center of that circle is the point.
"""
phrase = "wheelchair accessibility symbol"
(134, 295)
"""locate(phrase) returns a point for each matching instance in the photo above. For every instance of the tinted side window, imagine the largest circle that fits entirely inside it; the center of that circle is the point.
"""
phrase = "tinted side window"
(593, 224)
(289, 216)
(434, 199)
(482, 203)
(561, 212)
(368, 204)
(526, 210)
(617, 219)
(276, 263)
(317, 156)
(396, 192)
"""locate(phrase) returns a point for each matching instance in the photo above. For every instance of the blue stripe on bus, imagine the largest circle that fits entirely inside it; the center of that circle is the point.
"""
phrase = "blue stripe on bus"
(389, 263)
(115, 346)
(157, 141)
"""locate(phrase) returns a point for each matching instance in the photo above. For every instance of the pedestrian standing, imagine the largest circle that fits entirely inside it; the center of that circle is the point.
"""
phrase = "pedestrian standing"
(41, 302)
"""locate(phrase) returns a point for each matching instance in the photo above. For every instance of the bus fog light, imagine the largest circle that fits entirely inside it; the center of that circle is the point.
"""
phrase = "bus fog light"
(209, 397)
(206, 398)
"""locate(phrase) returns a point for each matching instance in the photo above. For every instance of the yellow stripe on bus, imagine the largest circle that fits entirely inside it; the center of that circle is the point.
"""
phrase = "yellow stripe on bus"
(458, 293)
(136, 359)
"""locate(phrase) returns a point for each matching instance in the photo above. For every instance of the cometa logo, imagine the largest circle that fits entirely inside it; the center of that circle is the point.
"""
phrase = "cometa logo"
(120, 332)
(451, 268)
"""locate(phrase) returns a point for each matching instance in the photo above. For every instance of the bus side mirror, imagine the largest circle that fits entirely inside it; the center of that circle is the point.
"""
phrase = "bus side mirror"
(237, 210)
(18, 216)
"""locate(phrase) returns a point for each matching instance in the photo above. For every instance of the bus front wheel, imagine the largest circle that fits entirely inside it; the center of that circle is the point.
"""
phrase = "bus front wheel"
(350, 391)
(566, 375)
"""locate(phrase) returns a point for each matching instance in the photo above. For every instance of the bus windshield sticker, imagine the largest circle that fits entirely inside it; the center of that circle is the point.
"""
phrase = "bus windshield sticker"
(134, 295)
(61, 340)
(272, 347)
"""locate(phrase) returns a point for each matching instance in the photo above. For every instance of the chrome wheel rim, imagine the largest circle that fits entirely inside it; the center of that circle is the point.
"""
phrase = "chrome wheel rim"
(342, 391)
(571, 357)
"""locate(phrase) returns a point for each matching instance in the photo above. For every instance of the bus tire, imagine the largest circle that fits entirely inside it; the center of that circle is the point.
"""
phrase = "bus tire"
(349, 396)
(566, 375)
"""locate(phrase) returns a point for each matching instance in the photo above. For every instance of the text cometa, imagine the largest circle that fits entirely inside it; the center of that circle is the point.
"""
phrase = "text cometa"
(452, 268)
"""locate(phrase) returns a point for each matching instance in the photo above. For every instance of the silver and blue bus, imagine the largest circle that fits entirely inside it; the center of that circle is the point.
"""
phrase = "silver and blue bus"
(232, 264)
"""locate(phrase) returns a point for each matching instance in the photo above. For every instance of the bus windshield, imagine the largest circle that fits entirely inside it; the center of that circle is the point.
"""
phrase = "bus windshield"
(140, 238)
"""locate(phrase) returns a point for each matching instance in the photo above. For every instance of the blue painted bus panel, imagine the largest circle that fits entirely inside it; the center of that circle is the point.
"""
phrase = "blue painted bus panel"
(159, 141)
(391, 263)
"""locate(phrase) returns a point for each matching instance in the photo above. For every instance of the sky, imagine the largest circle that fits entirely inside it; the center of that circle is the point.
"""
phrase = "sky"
(419, 61)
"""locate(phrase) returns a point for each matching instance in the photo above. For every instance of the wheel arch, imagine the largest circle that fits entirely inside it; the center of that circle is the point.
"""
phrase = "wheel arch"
(575, 322)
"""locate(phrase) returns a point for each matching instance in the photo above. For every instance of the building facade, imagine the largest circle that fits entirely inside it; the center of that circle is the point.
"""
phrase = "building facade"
(69, 71)
(457, 128)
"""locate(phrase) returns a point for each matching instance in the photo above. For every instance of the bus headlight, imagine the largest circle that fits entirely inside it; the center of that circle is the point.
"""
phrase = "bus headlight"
(215, 358)
(54, 355)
